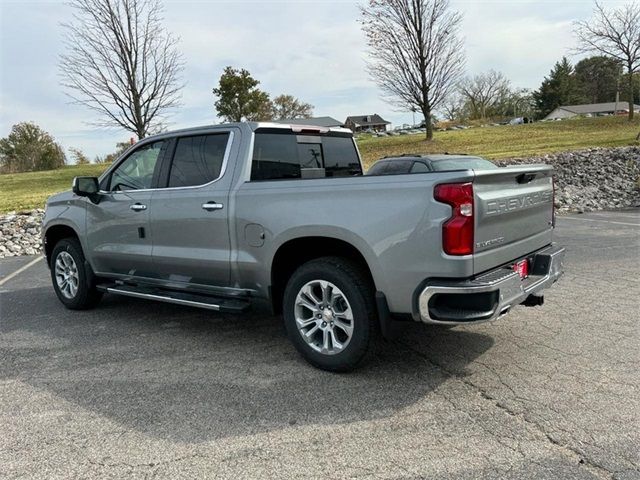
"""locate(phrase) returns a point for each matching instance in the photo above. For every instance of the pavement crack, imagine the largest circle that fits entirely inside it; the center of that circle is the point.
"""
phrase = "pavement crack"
(565, 449)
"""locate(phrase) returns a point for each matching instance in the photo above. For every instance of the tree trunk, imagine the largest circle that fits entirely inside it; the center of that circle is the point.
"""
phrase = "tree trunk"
(638, 137)
(428, 125)
(631, 105)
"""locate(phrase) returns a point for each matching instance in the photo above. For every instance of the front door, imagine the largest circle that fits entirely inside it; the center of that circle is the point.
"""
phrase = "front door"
(190, 216)
(118, 232)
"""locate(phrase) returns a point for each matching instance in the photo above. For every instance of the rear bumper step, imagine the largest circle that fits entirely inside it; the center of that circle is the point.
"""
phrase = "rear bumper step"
(492, 294)
(218, 304)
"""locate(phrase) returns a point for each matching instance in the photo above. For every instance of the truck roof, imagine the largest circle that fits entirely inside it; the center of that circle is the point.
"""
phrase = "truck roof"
(253, 126)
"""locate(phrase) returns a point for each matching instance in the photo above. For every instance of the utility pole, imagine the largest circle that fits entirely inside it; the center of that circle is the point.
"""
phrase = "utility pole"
(615, 112)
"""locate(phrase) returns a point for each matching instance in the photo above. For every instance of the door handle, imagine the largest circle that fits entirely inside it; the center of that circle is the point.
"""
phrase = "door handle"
(210, 206)
(138, 207)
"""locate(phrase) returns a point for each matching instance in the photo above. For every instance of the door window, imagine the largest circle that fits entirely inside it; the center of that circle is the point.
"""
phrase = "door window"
(136, 171)
(198, 160)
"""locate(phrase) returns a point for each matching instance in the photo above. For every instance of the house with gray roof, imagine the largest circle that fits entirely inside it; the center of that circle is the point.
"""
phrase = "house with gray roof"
(362, 123)
(594, 109)
(326, 122)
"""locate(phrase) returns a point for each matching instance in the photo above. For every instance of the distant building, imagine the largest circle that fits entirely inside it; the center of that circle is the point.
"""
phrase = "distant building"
(362, 123)
(326, 122)
(569, 111)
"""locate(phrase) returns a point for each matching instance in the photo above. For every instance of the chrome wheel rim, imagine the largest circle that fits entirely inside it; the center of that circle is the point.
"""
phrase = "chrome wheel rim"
(324, 317)
(66, 272)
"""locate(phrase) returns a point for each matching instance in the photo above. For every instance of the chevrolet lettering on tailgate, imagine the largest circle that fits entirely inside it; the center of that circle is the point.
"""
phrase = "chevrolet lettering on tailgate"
(519, 202)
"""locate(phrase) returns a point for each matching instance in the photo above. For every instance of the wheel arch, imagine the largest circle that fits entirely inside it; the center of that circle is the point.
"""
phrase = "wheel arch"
(54, 234)
(297, 251)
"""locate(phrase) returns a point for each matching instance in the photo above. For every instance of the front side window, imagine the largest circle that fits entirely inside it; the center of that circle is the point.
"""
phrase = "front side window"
(197, 160)
(136, 171)
(280, 156)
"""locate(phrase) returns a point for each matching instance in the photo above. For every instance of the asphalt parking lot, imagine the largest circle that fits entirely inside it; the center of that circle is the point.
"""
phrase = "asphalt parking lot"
(141, 389)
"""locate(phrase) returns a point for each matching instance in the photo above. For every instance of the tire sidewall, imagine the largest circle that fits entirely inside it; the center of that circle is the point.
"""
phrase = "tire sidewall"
(83, 289)
(358, 345)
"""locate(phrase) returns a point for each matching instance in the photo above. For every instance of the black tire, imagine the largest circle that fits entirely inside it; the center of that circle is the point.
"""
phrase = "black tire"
(86, 295)
(358, 291)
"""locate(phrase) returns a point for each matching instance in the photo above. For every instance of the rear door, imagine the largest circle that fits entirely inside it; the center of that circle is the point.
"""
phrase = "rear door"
(514, 213)
(189, 216)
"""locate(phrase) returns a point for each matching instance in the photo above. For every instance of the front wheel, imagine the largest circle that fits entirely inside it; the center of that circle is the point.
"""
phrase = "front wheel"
(69, 277)
(330, 315)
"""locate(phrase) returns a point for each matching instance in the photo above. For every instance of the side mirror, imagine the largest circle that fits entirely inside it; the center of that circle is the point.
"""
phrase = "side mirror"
(86, 187)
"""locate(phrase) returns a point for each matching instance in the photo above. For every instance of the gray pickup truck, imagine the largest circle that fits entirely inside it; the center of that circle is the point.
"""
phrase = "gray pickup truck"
(261, 215)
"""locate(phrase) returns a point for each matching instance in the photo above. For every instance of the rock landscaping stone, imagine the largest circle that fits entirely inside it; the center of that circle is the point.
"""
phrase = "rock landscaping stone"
(20, 233)
(593, 179)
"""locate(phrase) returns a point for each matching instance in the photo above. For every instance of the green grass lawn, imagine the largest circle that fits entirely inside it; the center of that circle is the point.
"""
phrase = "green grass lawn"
(510, 141)
(23, 191)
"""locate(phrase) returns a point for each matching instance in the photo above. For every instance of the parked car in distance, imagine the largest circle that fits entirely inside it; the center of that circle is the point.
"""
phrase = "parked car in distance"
(414, 163)
(281, 218)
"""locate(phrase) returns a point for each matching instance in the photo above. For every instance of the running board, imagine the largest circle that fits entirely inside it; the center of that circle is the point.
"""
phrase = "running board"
(218, 304)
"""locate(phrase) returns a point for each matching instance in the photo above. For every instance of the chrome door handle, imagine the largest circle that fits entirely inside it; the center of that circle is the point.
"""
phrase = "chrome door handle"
(212, 206)
(138, 207)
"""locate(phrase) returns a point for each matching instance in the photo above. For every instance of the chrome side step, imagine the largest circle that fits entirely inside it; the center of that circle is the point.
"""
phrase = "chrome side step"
(180, 298)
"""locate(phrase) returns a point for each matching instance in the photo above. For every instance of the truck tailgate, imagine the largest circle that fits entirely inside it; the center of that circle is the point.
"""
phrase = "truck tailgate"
(513, 213)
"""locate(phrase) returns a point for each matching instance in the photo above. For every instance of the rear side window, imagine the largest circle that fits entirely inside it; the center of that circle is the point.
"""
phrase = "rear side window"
(281, 156)
(197, 160)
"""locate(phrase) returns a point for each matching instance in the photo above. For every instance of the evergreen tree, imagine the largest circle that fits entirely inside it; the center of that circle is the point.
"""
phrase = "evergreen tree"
(559, 88)
(598, 78)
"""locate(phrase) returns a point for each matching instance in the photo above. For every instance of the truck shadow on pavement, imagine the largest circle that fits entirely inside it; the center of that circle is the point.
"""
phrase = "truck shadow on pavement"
(190, 375)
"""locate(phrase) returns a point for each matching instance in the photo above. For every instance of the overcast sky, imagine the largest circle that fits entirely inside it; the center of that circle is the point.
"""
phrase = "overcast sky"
(311, 49)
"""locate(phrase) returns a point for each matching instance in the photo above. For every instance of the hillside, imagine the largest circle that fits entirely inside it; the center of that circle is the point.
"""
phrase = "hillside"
(29, 190)
(21, 191)
(509, 141)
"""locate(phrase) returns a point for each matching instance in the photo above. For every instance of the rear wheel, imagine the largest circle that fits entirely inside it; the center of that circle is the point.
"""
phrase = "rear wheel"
(70, 281)
(330, 315)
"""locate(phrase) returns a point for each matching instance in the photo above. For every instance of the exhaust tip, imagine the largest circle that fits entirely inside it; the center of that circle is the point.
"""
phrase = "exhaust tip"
(534, 301)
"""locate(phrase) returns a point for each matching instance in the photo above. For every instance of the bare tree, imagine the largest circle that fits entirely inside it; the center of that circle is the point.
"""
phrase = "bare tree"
(121, 63)
(416, 53)
(484, 91)
(616, 34)
(453, 107)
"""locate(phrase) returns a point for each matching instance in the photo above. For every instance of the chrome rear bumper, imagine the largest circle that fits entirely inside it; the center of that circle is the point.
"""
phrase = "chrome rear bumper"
(490, 295)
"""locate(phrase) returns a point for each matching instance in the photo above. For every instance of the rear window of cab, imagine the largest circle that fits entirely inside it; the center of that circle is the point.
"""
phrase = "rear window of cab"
(288, 155)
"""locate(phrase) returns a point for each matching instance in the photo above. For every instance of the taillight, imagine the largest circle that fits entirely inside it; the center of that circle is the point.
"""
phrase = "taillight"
(457, 232)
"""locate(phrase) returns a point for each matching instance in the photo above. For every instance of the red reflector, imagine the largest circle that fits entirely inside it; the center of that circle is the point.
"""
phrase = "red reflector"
(457, 232)
(522, 268)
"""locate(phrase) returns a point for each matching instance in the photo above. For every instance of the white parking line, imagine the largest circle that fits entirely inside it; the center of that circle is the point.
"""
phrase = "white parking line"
(20, 270)
(601, 221)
